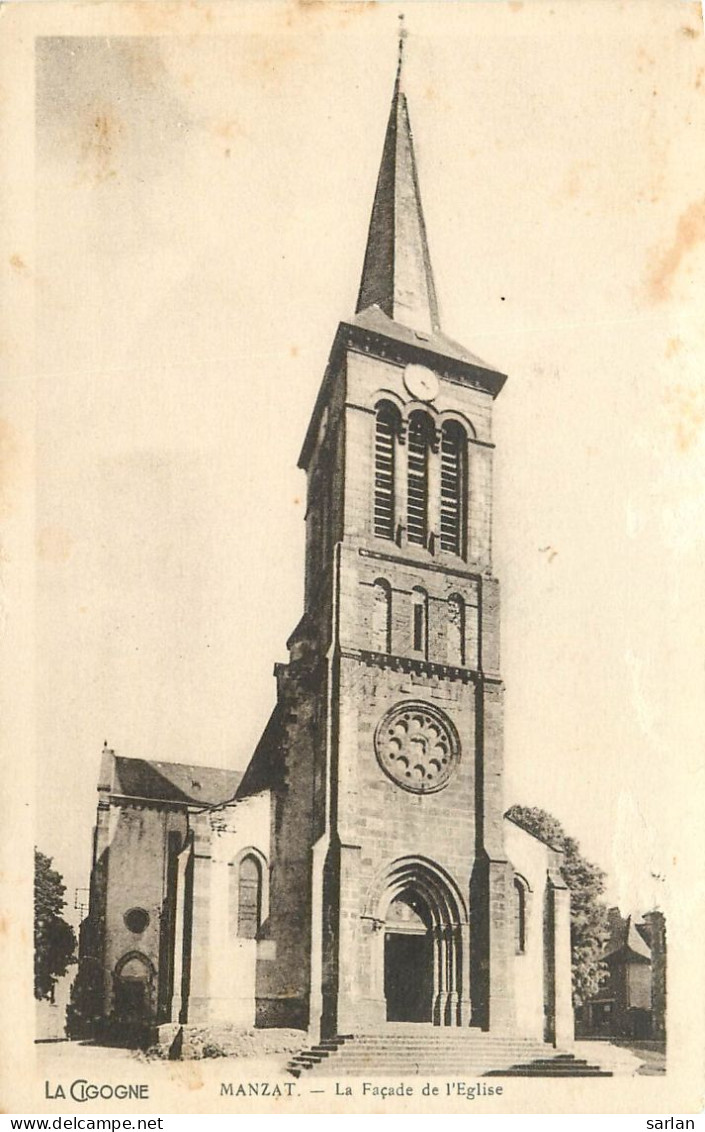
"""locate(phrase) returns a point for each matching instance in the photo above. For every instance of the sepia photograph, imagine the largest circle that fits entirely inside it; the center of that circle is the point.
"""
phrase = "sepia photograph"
(352, 581)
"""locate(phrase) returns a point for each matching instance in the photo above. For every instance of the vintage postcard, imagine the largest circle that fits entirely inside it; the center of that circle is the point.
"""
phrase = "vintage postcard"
(353, 459)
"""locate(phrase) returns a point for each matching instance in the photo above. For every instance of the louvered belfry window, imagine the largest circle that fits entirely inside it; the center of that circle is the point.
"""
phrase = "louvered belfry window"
(417, 485)
(452, 459)
(385, 435)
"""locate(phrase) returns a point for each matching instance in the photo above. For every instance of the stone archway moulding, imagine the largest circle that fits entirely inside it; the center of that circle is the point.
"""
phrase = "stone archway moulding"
(449, 931)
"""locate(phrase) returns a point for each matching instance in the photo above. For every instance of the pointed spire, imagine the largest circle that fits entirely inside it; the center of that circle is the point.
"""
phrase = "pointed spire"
(397, 275)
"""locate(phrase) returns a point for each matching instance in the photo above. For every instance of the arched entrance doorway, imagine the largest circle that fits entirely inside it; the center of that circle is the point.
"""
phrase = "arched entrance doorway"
(408, 960)
(421, 971)
(133, 982)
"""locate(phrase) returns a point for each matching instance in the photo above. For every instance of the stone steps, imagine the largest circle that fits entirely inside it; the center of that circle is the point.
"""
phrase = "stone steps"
(438, 1062)
(576, 1067)
(434, 1052)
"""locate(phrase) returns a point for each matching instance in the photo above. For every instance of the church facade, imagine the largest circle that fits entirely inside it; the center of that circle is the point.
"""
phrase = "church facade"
(360, 872)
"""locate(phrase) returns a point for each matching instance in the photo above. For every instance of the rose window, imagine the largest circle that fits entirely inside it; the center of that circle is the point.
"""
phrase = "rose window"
(417, 746)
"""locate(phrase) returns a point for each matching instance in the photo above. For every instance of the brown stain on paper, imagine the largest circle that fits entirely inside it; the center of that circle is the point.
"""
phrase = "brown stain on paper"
(187, 1074)
(269, 61)
(575, 177)
(228, 128)
(690, 231)
(644, 59)
(99, 144)
(155, 19)
(54, 544)
(687, 403)
(9, 458)
(673, 346)
(346, 11)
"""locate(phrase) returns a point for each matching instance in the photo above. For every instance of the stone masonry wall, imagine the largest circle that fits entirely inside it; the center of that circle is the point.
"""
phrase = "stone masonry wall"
(138, 877)
(284, 984)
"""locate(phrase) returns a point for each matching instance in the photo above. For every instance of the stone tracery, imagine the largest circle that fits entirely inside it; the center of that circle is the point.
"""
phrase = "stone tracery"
(417, 746)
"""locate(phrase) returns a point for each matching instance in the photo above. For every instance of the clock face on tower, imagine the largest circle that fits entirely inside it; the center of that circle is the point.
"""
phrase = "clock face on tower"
(421, 382)
(417, 746)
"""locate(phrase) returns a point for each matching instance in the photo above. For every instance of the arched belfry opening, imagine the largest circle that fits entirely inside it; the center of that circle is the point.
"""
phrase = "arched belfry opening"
(425, 962)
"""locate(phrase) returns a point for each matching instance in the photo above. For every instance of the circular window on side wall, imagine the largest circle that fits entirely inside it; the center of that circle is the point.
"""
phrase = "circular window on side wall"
(136, 920)
(417, 746)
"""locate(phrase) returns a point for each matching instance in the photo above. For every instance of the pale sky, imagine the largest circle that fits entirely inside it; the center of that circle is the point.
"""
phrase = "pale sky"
(202, 209)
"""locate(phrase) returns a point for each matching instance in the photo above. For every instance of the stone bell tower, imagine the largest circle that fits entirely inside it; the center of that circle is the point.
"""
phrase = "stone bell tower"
(391, 891)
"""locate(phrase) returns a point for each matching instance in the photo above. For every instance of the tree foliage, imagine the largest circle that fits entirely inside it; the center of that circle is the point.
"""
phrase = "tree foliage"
(588, 913)
(54, 938)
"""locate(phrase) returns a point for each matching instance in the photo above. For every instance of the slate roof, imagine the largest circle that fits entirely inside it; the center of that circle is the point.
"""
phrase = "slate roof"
(264, 771)
(628, 937)
(397, 296)
(374, 319)
(397, 274)
(182, 783)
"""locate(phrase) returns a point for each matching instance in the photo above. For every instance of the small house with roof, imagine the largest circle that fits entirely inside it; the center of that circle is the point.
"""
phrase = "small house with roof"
(631, 1001)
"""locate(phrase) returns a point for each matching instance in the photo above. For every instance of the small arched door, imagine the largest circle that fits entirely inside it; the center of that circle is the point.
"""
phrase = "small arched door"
(408, 960)
(133, 988)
